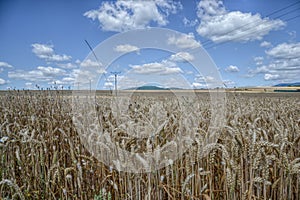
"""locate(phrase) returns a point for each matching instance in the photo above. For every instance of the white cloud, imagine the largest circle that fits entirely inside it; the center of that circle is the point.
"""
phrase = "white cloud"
(293, 35)
(265, 44)
(199, 79)
(40, 74)
(126, 82)
(28, 84)
(42, 49)
(6, 65)
(209, 79)
(207, 8)
(159, 68)
(66, 65)
(126, 48)
(220, 25)
(283, 65)
(108, 85)
(205, 82)
(89, 68)
(47, 53)
(184, 41)
(64, 81)
(182, 57)
(232, 68)
(33, 75)
(228, 83)
(2, 81)
(258, 60)
(199, 85)
(83, 76)
(261, 69)
(68, 79)
(50, 71)
(89, 64)
(269, 77)
(59, 58)
(285, 51)
(128, 15)
(189, 23)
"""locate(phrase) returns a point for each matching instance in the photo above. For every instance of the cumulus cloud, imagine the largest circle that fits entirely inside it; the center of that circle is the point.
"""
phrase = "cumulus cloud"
(182, 57)
(220, 25)
(88, 63)
(29, 85)
(258, 60)
(265, 44)
(198, 85)
(64, 81)
(201, 81)
(51, 71)
(47, 53)
(184, 41)
(127, 82)
(41, 73)
(2, 81)
(285, 51)
(6, 65)
(232, 68)
(283, 64)
(158, 68)
(209, 79)
(89, 71)
(228, 83)
(268, 77)
(189, 23)
(128, 15)
(83, 76)
(126, 48)
(167, 66)
(66, 65)
(68, 79)
(108, 85)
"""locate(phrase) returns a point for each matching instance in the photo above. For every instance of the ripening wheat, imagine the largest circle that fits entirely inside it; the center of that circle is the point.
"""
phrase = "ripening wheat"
(255, 157)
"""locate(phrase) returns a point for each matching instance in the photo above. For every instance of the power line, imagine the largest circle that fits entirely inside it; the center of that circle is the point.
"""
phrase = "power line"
(210, 44)
(250, 33)
(207, 46)
(207, 42)
(92, 52)
(98, 62)
(292, 18)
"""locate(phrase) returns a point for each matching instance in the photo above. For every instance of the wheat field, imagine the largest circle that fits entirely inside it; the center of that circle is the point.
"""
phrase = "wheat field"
(255, 157)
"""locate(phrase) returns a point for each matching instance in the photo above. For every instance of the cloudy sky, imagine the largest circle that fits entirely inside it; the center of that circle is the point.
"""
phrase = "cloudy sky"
(251, 42)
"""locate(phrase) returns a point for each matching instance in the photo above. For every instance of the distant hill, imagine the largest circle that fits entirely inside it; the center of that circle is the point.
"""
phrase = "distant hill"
(148, 87)
(152, 87)
(297, 84)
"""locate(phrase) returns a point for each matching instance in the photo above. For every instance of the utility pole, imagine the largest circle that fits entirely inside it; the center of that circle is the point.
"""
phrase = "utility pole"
(90, 85)
(116, 80)
(77, 85)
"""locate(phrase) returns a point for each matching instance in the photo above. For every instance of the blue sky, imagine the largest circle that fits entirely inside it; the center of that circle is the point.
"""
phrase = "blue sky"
(252, 42)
